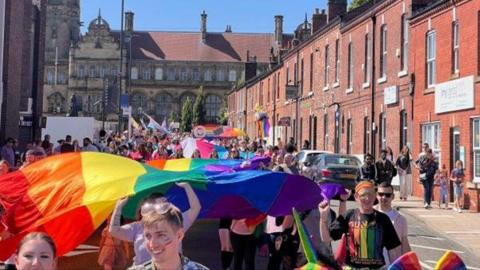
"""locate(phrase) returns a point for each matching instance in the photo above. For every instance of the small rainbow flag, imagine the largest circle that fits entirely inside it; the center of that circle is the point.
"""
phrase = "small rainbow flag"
(450, 261)
(263, 127)
(408, 261)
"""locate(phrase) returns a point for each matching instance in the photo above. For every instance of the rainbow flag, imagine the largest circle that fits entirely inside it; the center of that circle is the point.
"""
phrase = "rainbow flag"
(408, 261)
(313, 263)
(263, 127)
(134, 123)
(449, 261)
(70, 195)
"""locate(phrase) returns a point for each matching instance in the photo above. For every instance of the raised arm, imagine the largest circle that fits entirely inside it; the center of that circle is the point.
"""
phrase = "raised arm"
(194, 210)
(324, 209)
(115, 228)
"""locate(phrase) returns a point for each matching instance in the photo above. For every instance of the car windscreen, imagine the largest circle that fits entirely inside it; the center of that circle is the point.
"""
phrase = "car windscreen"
(341, 160)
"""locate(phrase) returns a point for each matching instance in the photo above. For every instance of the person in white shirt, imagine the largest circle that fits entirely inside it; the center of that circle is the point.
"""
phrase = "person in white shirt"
(385, 197)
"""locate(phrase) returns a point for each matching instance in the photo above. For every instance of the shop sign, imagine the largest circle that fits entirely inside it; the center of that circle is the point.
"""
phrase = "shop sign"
(284, 121)
(390, 95)
(454, 95)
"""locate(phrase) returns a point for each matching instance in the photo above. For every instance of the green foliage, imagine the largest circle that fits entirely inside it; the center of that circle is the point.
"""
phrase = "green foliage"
(173, 117)
(198, 109)
(186, 119)
(223, 116)
(357, 3)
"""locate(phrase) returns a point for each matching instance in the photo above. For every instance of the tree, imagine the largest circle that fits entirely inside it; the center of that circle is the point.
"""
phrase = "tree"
(357, 3)
(198, 108)
(223, 114)
(186, 120)
(173, 117)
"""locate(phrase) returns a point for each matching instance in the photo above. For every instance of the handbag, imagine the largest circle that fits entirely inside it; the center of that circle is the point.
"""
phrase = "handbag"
(423, 176)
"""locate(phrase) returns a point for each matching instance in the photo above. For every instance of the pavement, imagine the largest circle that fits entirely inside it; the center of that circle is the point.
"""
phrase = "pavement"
(461, 228)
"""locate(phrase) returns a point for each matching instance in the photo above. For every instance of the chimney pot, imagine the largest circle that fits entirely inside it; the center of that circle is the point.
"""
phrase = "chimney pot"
(317, 10)
(279, 29)
(203, 27)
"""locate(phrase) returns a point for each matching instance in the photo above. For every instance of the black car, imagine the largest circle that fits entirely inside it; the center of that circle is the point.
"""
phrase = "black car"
(337, 168)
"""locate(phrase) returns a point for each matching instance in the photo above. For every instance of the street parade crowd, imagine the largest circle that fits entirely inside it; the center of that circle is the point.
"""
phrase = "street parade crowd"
(156, 235)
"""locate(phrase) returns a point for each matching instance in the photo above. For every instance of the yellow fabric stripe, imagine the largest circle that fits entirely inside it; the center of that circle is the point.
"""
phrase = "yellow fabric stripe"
(178, 165)
(108, 177)
(363, 244)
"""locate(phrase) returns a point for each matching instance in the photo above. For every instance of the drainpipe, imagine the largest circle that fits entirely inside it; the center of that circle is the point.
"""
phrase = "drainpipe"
(372, 134)
(274, 117)
(2, 30)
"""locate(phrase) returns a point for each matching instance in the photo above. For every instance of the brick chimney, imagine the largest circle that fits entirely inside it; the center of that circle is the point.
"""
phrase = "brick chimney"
(250, 69)
(279, 29)
(128, 23)
(203, 27)
(336, 8)
(319, 20)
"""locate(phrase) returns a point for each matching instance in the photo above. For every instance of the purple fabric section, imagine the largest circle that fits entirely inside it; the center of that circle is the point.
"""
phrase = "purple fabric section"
(253, 163)
(222, 208)
(330, 190)
(219, 168)
(303, 195)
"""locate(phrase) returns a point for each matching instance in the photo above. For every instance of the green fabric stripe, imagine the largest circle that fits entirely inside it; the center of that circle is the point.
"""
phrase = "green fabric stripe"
(305, 240)
(371, 242)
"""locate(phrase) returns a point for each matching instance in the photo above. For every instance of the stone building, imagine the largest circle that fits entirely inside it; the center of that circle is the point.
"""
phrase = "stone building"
(22, 32)
(163, 68)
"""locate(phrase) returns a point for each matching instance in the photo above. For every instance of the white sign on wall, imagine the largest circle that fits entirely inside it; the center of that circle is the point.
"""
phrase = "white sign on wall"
(454, 95)
(390, 95)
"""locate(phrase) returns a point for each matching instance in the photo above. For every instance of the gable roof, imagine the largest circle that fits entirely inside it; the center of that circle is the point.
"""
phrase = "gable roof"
(188, 46)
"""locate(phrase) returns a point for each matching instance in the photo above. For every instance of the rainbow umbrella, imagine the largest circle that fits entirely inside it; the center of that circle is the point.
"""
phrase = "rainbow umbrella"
(68, 196)
(408, 261)
(232, 132)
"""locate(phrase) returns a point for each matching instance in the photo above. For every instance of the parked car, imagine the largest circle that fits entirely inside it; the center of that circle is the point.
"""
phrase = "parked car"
(305, 158)
(337, 168)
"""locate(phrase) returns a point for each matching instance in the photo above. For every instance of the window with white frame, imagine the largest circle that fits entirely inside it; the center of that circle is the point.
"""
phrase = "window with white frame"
(431, 58)
(349, 136)
(404, 44)
(325, 132)
(62, 78)
(207, 76)
(103, 71)
(326, 67)
(146, 73)
(350, 65)
(476, 148)
(383, 51)
(158, 74)
(366, 135)
(232, 75)
(455, 48)
(134, 73)
(337, 60)
(220, 75)
(50, 77)
(431, 135)
(367, 56)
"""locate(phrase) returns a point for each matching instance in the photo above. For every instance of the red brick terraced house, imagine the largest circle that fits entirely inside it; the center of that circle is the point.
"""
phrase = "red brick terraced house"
(444, 53)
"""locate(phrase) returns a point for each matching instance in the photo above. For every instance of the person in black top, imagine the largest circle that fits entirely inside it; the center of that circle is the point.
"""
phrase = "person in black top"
(385, 169)
(368, 170)
(367, 230)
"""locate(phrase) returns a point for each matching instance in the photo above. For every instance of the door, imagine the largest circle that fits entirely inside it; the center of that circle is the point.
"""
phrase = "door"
(454, 154)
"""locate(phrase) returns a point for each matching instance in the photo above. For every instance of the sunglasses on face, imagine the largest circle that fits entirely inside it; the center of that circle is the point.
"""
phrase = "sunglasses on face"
(386, 195)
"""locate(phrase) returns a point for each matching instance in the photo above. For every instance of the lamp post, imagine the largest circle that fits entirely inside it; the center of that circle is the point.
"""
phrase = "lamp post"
(120, 73)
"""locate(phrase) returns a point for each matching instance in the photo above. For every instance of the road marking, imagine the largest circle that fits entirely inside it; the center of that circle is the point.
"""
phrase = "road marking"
(426, 266)
(429, 237)
(462, 232)
(434, 248)
(468, 267)
(435, 216)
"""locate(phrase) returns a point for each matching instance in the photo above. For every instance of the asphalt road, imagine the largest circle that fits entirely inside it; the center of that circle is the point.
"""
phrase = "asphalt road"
(201, 244)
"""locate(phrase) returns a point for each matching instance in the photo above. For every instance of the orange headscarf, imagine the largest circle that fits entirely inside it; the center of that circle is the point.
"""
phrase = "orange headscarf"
(364, 185)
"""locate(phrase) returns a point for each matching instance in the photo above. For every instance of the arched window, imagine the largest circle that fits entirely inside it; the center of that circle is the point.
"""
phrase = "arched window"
(163, 106)
(81, 71)
(208, 75)
(92, 73)
(139, 103)
(158, 74)
(183, 74)
(184, 97)
(146, 74)
(134, 73)
(171, 74)
(50, 77)
(196, 74)
(103, 71)
(220, 75)
(56, 103)
(232, 75)
(212, 108)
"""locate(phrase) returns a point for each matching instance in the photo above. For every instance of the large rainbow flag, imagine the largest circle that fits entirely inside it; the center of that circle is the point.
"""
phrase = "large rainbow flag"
(68, 196)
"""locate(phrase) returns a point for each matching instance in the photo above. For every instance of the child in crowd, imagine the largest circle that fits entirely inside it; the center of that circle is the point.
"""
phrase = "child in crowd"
(441, 180)
(457, 176)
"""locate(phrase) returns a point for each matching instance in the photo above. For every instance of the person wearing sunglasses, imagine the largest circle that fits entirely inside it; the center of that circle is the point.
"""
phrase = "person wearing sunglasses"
(163, 233)
(385, 197)
(134, 232)
(367, 230)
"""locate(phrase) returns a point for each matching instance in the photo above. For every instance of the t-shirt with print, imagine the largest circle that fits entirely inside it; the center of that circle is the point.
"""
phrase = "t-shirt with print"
(367, 235)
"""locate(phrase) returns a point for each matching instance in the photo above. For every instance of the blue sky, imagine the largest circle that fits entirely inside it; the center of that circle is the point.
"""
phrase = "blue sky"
(184, 15)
